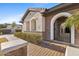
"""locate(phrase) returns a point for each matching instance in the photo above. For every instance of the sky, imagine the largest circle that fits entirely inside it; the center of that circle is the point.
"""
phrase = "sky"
(13, 12)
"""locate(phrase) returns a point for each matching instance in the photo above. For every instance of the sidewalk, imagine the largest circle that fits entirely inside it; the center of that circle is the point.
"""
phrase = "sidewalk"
(12, 44)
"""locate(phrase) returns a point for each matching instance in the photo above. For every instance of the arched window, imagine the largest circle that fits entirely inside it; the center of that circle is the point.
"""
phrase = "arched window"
(27, 26)
(64, 29)
(33, 24)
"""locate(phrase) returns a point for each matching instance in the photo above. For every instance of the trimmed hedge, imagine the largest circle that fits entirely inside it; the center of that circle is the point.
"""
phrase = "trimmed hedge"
(5, 31)
(30, 37)
(18, 30)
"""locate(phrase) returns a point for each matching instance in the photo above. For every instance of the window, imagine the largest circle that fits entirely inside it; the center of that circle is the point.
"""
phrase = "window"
(33, 24)
(67, 30)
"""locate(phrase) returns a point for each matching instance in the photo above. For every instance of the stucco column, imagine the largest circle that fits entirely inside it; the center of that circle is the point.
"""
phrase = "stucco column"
(24, 27)
(73, 35)
(43, 23)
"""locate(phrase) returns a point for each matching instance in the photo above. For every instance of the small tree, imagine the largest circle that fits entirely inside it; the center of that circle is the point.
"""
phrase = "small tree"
(13, 25)
(73, 20)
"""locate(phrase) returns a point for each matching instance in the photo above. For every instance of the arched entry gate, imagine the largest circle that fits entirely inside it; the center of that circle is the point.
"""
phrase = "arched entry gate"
(58, 31)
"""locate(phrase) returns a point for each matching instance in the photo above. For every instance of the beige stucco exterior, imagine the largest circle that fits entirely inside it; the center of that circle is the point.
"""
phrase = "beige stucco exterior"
(45, 23)
(37, 16)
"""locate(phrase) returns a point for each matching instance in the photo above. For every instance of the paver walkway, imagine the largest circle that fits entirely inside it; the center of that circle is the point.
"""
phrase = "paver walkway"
(35, 50)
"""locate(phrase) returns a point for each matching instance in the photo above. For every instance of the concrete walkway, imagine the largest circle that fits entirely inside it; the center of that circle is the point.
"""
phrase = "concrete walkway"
(12, 44)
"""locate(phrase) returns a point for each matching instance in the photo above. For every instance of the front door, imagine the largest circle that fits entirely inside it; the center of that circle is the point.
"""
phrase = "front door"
(61, 33)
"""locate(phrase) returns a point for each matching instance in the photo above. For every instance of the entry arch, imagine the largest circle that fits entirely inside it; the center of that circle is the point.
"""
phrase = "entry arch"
(66, 14)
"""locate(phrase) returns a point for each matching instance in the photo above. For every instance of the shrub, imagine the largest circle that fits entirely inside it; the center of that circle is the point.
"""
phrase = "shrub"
(30, 37)
(5, 31)
(3, 40)
(18, 30)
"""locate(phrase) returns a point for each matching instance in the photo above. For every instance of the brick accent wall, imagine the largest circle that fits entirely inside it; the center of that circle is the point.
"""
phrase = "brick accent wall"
(19, 52)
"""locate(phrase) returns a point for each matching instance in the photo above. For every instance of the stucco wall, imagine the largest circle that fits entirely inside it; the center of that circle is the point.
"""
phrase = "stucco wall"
(24, 27)
(43, 22)
(47, 27)
(49, 17)
(72, 51)
(39, 21)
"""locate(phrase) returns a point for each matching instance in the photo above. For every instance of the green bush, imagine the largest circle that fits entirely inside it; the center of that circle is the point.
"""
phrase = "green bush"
(31, 37)
(18, 30)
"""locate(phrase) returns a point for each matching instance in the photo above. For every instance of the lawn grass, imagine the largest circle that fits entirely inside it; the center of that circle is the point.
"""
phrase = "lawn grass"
(3, 40)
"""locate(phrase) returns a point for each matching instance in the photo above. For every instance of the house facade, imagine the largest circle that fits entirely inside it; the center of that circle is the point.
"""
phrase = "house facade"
(33, 20)
(50, 23)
